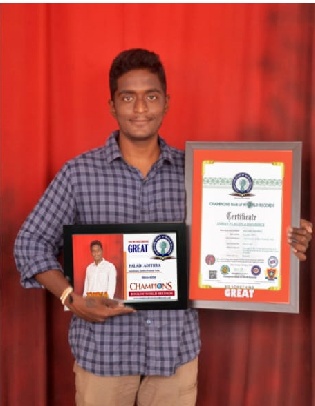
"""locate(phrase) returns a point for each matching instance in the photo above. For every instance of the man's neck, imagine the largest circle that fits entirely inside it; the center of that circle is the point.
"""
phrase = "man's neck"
(140, 154)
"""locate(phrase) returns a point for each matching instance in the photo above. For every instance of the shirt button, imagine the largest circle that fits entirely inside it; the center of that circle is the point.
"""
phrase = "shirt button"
(148, 321)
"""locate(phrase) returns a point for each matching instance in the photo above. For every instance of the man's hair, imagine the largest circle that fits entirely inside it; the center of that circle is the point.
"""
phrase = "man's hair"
(96, 242)
(132, 59)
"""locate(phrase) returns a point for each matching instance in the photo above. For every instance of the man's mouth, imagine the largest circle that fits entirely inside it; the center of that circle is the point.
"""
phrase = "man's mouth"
(140, 120)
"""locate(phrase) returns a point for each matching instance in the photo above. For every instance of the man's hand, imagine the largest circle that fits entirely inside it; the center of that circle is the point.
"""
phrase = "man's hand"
(299, 238)
(95, 309)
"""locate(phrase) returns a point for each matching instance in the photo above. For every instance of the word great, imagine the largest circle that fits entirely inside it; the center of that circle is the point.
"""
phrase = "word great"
(138, 247)
(241, 293)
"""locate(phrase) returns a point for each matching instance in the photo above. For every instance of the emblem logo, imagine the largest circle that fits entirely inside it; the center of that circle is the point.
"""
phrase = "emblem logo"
(163, 246)
(210, 259)
(271, 274)
(272, 261)
(256, 270)
(242, 184)
(225, 269)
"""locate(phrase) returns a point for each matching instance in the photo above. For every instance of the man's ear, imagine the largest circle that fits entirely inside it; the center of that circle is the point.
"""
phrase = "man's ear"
(112, 107)
(167, 103)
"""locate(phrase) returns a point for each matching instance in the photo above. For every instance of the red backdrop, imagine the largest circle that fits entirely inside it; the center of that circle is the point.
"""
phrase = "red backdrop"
(235, 72)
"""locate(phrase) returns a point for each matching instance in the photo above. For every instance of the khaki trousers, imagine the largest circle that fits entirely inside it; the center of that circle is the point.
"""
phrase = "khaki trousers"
(179, 389)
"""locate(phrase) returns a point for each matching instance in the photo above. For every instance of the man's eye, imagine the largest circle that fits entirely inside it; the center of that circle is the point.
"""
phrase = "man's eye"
(127, 98)
(151, 97)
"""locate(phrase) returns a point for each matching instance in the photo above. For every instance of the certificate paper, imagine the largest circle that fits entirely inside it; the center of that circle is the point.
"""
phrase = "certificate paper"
(242, 229)
(143, 265)
(242, 201)
(150, 267)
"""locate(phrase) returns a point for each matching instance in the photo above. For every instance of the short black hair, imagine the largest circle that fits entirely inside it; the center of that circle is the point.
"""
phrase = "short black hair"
(132, 59)
(96, 242)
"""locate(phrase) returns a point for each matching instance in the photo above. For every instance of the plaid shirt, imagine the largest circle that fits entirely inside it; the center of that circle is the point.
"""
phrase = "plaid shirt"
(100, 187)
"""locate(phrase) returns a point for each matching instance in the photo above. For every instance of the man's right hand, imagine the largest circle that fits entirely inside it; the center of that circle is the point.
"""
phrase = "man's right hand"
(95, 309)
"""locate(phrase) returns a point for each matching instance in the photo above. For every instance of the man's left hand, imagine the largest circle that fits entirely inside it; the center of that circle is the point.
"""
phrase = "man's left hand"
(299, 238)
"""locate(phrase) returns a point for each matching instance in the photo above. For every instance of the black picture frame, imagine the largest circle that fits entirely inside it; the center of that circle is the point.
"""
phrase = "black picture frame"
(77, 239)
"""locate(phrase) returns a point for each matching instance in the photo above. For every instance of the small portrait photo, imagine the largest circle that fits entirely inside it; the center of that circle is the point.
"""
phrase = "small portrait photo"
(98, 265)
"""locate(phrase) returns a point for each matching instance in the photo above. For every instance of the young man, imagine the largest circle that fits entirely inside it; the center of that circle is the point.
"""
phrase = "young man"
(122, 357)
(100, 276)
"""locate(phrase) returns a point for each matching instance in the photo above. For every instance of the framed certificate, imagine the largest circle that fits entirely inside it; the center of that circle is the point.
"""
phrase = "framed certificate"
(144, 265)
(241, 197)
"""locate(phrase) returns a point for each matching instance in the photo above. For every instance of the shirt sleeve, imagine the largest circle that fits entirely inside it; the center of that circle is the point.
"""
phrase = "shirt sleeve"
(111, 281)
(40, 238)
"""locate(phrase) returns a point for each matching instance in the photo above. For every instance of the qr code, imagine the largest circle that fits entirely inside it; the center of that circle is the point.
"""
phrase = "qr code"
(212, 274)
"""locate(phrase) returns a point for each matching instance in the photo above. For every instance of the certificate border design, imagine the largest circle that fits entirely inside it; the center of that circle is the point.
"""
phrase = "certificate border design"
(290, 152)
(178, 228)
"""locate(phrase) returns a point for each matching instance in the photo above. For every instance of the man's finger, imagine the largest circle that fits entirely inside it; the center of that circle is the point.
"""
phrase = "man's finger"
(307, 225)
(112, 303)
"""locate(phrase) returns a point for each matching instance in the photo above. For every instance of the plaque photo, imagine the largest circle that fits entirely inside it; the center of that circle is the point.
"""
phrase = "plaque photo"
(241, 198)
(142, 265)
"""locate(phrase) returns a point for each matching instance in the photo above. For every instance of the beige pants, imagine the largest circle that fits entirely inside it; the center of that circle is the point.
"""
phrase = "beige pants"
(178, 389)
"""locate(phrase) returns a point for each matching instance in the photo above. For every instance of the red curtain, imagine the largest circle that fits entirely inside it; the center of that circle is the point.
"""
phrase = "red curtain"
(242, 72)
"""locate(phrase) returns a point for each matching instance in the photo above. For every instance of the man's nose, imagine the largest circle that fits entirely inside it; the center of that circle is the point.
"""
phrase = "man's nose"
(140, 105)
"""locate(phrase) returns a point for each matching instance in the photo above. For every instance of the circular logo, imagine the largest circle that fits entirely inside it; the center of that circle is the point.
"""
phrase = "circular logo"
(256, 270)
(210, 259)
(225, 269)
(272, 261)
(163, 246)
(242, 183)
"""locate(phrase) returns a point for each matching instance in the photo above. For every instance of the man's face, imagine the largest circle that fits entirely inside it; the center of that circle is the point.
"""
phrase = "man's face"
(139, 105)
(97, 253)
